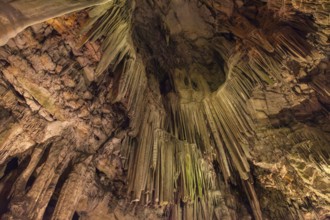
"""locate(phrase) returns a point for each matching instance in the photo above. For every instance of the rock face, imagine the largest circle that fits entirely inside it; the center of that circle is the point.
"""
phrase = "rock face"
(167, 110)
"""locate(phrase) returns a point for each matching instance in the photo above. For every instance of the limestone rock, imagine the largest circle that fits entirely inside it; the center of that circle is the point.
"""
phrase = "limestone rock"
(164, 109)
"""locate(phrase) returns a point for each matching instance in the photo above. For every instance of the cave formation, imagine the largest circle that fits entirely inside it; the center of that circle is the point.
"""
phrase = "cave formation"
(164, 109)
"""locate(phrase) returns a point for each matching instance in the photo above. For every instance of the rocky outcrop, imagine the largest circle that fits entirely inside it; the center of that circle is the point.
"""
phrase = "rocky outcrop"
(15, 16)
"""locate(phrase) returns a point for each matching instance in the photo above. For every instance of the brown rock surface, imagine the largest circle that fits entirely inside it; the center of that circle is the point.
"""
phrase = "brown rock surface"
(166, 110)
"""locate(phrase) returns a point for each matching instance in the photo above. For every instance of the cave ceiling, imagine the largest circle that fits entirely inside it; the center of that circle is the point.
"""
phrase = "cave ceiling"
(164, 109)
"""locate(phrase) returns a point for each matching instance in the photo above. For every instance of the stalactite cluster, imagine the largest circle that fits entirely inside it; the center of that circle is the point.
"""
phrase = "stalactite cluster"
(165, 109)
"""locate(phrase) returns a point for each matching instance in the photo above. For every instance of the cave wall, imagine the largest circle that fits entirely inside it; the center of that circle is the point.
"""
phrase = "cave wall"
(77, 138)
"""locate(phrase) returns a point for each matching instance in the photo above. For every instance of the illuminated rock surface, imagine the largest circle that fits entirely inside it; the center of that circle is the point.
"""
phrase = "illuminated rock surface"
(153, 109)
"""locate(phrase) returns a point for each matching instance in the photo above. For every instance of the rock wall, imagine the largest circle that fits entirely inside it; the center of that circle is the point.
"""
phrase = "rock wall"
(168, 109)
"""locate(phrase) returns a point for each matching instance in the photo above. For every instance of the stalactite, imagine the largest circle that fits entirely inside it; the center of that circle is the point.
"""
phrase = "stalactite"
(224, 111)
(176, 141)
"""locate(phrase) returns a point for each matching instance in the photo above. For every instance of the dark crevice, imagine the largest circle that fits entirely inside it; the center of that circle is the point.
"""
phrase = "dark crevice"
(30, 181)
(75, 216)
(14, 168)
(44, 156)
(42, 160)
(53, 200)
(11, 165)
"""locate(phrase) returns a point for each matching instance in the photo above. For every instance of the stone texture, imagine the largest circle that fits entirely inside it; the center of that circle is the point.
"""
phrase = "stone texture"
(167, 110)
